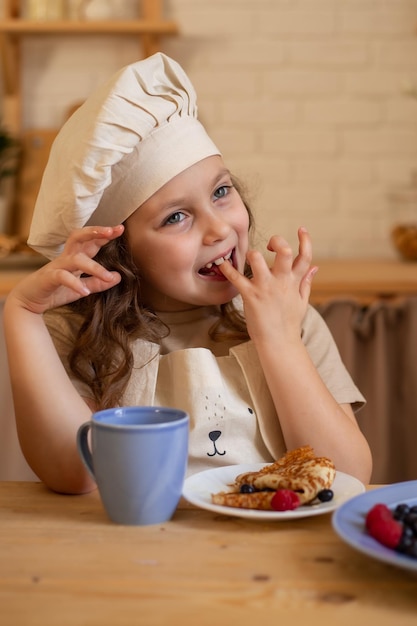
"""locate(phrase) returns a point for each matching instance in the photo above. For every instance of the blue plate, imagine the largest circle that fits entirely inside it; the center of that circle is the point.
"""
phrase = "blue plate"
(349, 522)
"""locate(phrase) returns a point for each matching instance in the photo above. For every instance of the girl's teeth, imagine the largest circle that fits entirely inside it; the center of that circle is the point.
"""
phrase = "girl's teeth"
(220, 260)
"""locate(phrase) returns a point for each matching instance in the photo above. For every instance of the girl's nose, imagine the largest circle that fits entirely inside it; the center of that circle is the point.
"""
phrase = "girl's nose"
(216, 229)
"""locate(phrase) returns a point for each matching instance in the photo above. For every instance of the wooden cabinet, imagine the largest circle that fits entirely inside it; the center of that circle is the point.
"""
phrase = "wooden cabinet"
(149, 27)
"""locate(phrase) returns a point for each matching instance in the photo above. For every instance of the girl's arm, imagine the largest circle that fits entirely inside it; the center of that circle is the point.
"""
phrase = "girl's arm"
(48, 409)
(275, 303)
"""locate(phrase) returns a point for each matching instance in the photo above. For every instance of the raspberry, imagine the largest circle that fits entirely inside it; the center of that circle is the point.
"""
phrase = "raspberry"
(376, 514)
(383, 527)
(285, 500)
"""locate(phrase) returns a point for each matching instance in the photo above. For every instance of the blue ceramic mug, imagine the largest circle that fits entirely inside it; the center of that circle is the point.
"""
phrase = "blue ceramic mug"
(138, 459)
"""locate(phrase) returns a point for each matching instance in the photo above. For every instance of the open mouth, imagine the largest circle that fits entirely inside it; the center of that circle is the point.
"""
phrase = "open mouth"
(212, 268)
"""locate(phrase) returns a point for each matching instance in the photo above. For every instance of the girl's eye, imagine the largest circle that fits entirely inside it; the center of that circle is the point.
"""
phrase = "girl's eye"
(175, 218)
(222, 191)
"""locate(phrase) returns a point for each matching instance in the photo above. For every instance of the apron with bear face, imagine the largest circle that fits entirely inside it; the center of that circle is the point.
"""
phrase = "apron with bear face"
(224, 429)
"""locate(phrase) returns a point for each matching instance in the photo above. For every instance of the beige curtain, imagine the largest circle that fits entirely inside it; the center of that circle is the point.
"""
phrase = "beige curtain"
(378, 344)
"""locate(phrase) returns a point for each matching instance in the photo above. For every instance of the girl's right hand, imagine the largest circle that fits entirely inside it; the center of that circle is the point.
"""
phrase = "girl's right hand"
(60, 281)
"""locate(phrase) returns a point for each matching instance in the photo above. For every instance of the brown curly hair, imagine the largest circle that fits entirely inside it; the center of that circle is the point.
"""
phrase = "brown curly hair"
(101, 356)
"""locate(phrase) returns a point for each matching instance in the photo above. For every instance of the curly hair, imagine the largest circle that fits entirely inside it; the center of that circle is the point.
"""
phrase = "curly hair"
(101, 356)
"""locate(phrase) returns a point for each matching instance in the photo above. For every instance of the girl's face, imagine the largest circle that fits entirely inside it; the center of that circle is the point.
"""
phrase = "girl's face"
(182, 230)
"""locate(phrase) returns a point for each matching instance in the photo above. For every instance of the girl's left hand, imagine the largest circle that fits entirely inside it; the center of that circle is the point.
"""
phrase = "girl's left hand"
(275, 299)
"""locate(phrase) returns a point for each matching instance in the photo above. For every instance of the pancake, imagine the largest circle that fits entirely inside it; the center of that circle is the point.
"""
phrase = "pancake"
(298, 470)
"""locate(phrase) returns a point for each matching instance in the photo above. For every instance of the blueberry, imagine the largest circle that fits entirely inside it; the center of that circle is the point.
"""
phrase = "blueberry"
(412, 549)
(400, 511)
(405, 544)
(325, 495)
(410, 519)
(245, 488)
(408, 532)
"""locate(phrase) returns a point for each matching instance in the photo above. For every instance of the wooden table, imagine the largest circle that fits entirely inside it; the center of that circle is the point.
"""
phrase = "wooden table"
(63, 563)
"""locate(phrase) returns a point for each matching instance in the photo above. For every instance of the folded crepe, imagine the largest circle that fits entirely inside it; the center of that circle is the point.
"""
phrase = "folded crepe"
(298, 470)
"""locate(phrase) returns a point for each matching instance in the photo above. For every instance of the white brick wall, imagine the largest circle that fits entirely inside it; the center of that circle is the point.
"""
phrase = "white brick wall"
(305, 98)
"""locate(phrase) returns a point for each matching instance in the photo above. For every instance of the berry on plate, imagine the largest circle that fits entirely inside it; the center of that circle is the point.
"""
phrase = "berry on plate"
(285, 500)
(382, 526)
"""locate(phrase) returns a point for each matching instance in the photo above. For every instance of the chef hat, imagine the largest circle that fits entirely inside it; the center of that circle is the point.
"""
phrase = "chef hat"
(126, 141)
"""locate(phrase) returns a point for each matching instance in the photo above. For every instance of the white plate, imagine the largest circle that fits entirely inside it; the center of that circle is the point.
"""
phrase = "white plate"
(349, 522)
(199, 487)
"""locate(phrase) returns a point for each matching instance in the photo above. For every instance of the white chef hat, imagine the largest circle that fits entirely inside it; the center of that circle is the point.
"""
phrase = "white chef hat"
(126, 141)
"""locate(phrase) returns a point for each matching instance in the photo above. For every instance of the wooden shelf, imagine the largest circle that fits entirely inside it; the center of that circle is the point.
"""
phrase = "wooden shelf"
(149, 28)
(20, 27)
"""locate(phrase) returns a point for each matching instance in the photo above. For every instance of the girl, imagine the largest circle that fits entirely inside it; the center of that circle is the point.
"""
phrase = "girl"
(154, 296)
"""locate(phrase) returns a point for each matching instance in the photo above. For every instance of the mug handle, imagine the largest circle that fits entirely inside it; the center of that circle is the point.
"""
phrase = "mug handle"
(83, 448)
